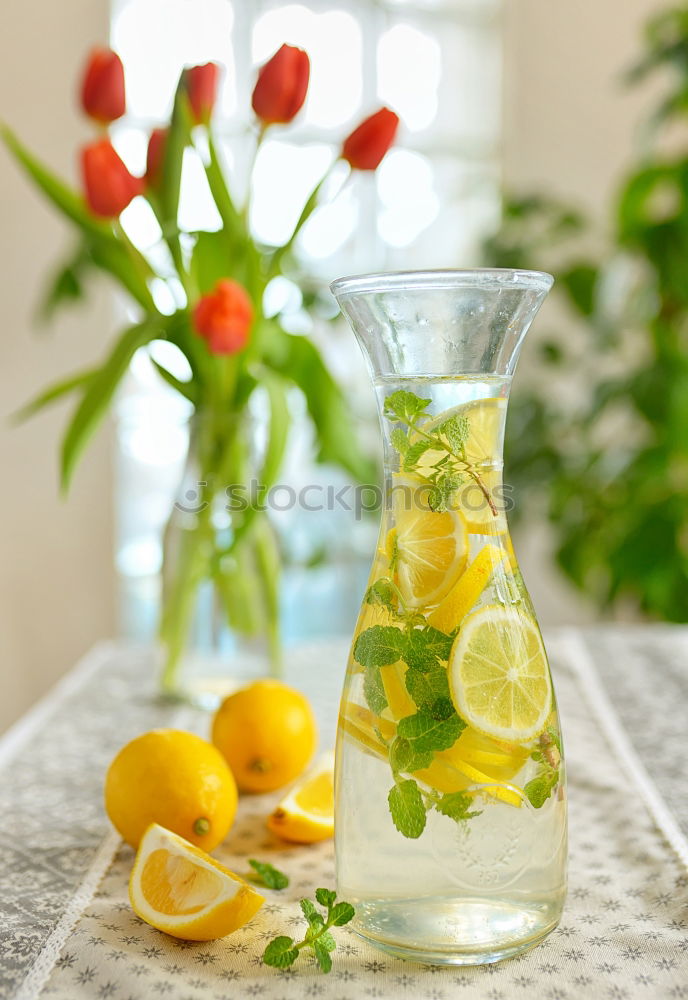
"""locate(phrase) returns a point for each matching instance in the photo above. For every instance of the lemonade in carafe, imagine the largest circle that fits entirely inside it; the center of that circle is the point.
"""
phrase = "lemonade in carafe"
(450, 791)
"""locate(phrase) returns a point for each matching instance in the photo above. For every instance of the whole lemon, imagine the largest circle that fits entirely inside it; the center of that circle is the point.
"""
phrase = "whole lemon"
(267, 734)
(175, 779)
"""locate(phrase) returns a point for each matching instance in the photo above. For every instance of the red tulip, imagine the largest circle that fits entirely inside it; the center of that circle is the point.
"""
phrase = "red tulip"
(223, 317)
(367, 144)
(108, 185)
(281, 86)
(102, 88)
(201, 86)
(154, 157)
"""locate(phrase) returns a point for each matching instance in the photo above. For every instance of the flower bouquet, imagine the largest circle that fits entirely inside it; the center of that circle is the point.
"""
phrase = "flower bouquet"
(234, 348)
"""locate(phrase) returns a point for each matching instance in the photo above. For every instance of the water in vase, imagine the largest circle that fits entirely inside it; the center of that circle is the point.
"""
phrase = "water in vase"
(450, 793)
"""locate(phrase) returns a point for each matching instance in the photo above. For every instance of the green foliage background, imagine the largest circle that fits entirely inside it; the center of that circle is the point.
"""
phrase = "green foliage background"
(611, 457)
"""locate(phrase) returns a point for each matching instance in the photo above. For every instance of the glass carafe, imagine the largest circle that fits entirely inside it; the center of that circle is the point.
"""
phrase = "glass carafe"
(449, 788)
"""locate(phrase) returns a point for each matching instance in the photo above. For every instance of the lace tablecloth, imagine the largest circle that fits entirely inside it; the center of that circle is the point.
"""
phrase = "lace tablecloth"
(67, 931)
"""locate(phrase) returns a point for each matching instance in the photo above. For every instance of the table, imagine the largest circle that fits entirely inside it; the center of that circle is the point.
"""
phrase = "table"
(67, 931)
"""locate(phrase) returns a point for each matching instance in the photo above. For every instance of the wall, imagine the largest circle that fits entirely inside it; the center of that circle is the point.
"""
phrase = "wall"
(55, 556)
(570, 128)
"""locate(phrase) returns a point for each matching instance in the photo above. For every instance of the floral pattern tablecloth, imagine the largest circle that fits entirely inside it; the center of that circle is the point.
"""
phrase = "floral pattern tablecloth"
(67, 931)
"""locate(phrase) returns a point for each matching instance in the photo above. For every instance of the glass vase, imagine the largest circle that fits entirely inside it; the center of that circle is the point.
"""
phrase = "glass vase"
(219, 617)
(450, 788)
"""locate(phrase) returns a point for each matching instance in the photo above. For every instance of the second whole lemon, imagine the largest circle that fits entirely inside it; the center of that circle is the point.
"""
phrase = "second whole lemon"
(175, 779)
(267, 734)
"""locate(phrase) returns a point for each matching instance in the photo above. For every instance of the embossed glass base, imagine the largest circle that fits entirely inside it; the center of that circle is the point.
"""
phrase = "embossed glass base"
(456, 931)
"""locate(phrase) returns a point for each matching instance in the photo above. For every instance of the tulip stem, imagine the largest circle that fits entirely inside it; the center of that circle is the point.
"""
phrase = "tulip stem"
(307, 211)
(246, 210)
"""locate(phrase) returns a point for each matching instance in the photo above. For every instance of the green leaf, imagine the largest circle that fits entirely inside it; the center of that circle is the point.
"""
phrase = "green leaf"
(441, 495)
(306, 212)
(280, 953)
(539, 789)
(404, 405)
(53, 393)
(340, 914)
(271, 876)
(427, 735)
(322, 956)
(327, 939)
(430, 691)
(278, 428)
(402, 758)
(426, 647)
(456, 805)
(414, 453)
(108, 251)
(407, 809)
(400, 441)
(212, 259)
(325, 897)
(379, 645)
(65, 286)
(381, 592)
(178, 138)
(186, 389)
(314, 918)
(69, 202)
(455, 431)
(374, 690)
(298, 360)
(99, 391)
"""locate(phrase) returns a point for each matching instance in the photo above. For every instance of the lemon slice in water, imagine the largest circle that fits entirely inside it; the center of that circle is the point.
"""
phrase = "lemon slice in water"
(498, 674)
(430, 552)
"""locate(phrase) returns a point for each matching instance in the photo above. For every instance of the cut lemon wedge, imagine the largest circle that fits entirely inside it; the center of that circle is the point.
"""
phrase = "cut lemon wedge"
(306, 814)
(467, 589)
(430, 549)
(178, 888)
(498, 674)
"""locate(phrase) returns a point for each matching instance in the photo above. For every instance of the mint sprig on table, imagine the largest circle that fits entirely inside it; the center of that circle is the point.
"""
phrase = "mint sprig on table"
(270, 876)
(448, 438)
(282, 952)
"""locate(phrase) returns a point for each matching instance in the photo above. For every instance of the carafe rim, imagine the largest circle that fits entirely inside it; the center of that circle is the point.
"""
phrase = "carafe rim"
(441, 278)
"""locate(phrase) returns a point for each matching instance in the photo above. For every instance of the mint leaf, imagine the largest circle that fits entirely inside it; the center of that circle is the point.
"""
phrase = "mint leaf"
(455, 431)
(327, 939)
(426, 647)
(280, 953)
(404, 405)
(441, 496)
(414, 452)
(325, 897)
(381, 592)
(430, 691)
(456, 805)
(379, 645)
(341, 914)
(402, 757)
(400, 440)
(322, 955)
(407, 809)
(374, 690)
(314, 919)
(426, 734)
(539, 789)
(271, 877)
